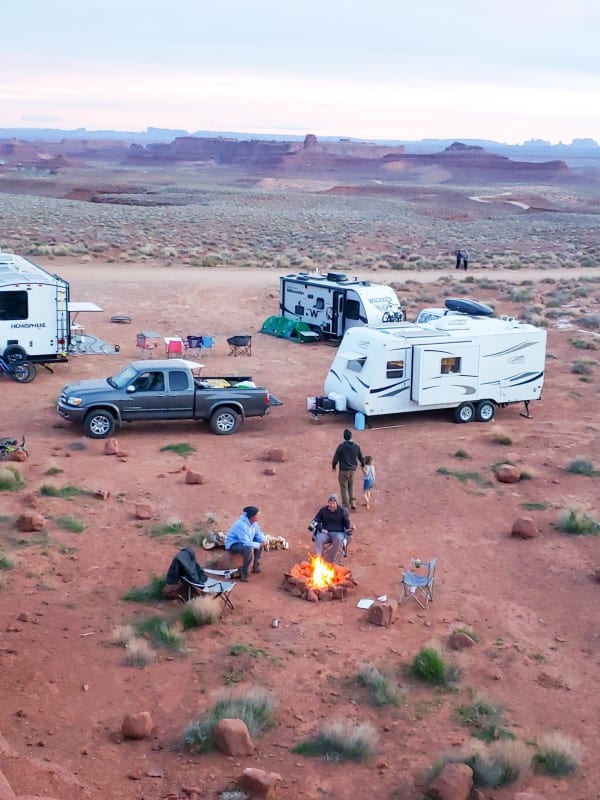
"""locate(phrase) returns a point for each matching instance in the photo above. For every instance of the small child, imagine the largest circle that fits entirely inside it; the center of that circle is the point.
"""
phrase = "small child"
(369, 480)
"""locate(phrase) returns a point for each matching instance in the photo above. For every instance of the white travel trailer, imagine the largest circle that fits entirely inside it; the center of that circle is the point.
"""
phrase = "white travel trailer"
(34, 312)
(471, 364)
(332, 304)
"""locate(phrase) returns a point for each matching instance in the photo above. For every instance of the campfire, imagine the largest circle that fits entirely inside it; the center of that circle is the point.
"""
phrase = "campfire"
(316, 580)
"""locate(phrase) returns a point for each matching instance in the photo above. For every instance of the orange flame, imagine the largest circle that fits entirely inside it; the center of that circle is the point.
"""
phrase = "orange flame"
(323, 574)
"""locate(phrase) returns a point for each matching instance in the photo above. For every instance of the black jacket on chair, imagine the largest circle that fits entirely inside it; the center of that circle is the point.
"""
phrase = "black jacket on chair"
(184, 565)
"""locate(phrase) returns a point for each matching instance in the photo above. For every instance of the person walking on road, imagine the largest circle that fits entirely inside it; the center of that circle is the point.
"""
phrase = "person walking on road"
(347, 455)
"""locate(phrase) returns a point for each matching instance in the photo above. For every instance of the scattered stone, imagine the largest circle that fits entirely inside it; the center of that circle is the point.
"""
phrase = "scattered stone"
(137, 726)
(258, 782)
(276, 454)
(459, 640)
(111, 447)
(232, 737)
(382, 613)
(27, 523)
(193, 477)
(101, 494)
(270, 471)
(454, 782)
(508, 473)
(144, 511)
(525, 528)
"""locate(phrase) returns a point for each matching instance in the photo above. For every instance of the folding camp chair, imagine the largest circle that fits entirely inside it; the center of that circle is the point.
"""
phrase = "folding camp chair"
(193, 343)
(216, 588)
(240, 345)
(174, 346)
(419, 587)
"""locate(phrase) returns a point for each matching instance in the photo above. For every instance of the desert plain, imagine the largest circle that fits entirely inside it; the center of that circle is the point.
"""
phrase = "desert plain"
(211, 266)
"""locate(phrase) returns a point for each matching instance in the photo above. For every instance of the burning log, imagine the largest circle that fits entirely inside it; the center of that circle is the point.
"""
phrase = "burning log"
(317, 581)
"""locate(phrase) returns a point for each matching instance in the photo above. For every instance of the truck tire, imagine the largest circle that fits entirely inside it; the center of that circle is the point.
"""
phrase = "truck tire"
(14, 353)
(465, 412)
(99, 424)
(22, 371)
(224, 421)
(485, 411)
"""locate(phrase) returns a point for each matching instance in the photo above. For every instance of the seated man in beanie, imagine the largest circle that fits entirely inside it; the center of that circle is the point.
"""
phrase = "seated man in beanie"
(245, 537)
(330, 526)
(184, 565)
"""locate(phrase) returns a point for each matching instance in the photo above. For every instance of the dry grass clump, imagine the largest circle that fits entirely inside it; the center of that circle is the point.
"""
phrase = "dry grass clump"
(122, 634)
(340, 740)
(200, 611)
(138, 652)
(500, 436)
(576, 522)
(383, 690)
(10, 478)
(557, 754)
(500, 764)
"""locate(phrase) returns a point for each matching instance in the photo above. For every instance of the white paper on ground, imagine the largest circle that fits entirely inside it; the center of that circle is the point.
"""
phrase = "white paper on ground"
(383, 598)
(365, 602)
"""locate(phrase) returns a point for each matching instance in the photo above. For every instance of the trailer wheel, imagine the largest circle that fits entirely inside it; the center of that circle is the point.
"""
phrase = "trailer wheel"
(14, 353)
(224, 421)
(465, 412)
(99, 424)
(485, 411)
(22, 371)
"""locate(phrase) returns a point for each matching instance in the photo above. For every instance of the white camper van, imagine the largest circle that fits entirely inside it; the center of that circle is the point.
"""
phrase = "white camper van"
(468, 363)
(332, 304)
(34, 312)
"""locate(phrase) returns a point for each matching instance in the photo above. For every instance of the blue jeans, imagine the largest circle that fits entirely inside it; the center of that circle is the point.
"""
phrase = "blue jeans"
(336, 539)
(250, 555)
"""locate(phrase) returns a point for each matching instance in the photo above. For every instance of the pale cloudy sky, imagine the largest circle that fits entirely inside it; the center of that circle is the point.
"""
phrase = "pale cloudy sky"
(509, 70)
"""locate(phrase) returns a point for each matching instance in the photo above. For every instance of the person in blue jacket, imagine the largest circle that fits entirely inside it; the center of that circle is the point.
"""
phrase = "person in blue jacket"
(245, 537)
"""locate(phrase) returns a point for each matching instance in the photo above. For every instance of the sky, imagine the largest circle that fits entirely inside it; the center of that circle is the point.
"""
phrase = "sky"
(507, 70)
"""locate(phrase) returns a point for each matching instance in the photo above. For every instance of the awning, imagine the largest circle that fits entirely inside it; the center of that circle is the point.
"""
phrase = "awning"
(75, 308)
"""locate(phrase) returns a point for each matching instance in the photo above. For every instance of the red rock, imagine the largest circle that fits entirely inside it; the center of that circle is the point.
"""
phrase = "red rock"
(192, 477)
(508, 473)
(259, 783)
(137, 726)
(30, 522)
(276, 454)
(525, 528)
(101, 494)
(144, 511)
(232, 737)
(459, 640)
(382, 613)
(111, 447)
(454, 782)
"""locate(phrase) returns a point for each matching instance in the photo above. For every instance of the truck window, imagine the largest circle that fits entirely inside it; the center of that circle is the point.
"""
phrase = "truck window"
(178, 380)
(13, 305)
(352, 309)
(450, 365)
(150, 382)
(356, 364)
(394, 369)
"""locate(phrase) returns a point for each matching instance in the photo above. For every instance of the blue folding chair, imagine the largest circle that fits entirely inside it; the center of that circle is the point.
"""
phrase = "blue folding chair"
(419, 587)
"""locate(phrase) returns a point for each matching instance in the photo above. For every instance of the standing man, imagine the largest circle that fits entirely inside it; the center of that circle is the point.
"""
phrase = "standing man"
(465, 259)
(348, 456)
(459, 257)
(245, 537)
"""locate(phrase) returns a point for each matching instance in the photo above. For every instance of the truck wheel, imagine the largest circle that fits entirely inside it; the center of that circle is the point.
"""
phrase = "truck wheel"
(485, 411)
(22, 371)
(465, 412)
(14, 353)
(224, 421)
(99, 424)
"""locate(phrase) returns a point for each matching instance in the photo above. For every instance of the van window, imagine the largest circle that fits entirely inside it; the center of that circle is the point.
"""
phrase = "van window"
(450, 365)
(394, 369)
(178, 380)
(352, 309)
(356, 364)
(13, 305)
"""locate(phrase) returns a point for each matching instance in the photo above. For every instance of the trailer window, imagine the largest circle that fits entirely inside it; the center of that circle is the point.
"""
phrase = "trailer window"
(356, 364)
(178, 380)
(352, 309)
(13, 305)
(299, 310)
(449, 365)
(319, 304)
(394, 369)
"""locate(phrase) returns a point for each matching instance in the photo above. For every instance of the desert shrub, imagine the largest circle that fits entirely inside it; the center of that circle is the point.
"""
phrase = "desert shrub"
(429, 666)
(167, 529)
(501, 436)
(148, 593)
(557, 754)
(582, 367)
(461, 454)
(181, 448)
(10, 478)
(383, 690)
(493, 767)
(463, 477)
(468, 631)
(582, 466)
(138, 652)
(161, 634)
(485, 720)
(53, 471)
(519, 295)
(200, 611)
(5, 561)
(577, 523)
(582, 344)
(71, 524)
(340, 740)
(255, 707)
(590, 321)
(534, 506)
(122, 634)
(66, 491)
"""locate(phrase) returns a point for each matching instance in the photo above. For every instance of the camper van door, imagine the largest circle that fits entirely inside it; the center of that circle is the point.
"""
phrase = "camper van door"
(445, 373)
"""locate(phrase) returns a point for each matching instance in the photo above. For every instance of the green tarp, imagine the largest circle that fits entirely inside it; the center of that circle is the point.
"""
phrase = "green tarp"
(289, 329)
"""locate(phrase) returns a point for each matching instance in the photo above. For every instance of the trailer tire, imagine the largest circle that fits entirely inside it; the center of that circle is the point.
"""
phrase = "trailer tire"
(225, 420)
(99, 424)
(14, 353)
(465, 412)
(22, 371)
(485, 411)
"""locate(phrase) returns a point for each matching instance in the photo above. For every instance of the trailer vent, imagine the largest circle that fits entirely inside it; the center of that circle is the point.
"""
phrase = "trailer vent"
(337, 277)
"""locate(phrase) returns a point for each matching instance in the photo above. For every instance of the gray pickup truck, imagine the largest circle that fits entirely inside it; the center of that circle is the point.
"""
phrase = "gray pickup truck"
(161, 390)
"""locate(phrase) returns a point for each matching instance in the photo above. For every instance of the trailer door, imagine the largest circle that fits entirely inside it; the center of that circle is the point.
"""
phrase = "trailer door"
(445, 373)
(337, 315)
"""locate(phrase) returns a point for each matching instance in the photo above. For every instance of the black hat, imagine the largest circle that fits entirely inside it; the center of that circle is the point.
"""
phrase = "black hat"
(251, 511)
(347, 435)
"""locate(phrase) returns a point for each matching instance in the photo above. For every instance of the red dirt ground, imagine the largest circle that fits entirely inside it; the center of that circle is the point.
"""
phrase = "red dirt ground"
(533, 604)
